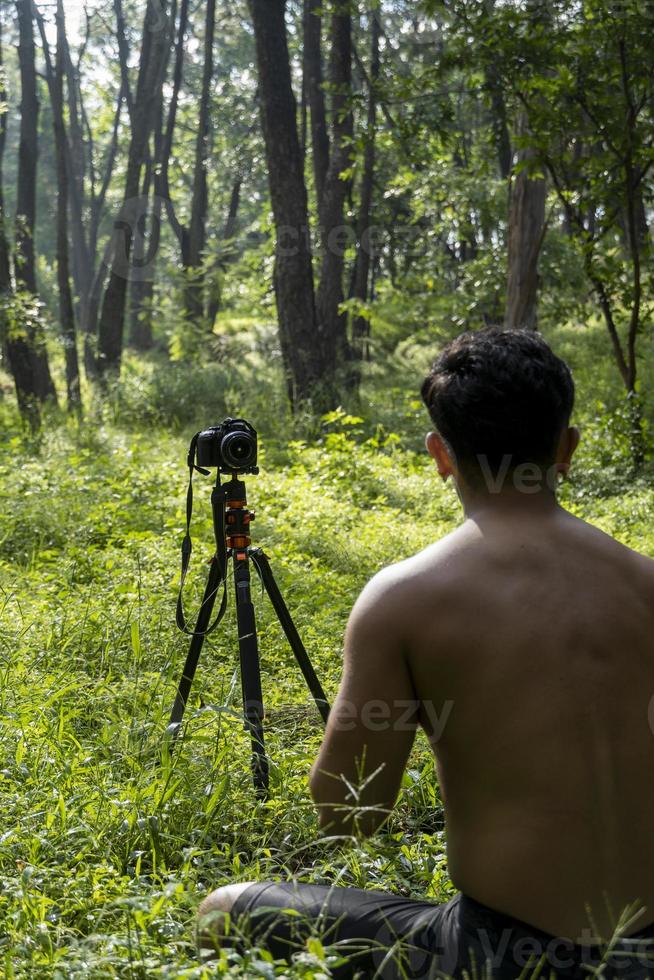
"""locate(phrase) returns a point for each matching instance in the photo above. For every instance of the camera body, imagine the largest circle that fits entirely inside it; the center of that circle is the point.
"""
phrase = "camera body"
(230, 446)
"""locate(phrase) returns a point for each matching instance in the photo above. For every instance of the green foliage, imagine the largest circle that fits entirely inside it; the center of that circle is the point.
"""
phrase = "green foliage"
(21, 314)
(105, 852)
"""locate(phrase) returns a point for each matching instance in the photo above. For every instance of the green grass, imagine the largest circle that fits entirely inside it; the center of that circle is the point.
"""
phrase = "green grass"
(105, 853)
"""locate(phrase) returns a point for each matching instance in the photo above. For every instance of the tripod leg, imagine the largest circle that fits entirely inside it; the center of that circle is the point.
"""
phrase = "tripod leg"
(250, 672)
(195, 648)
(263, 565)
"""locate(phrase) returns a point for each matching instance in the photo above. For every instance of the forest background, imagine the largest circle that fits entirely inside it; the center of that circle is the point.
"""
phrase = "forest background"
(278, 211)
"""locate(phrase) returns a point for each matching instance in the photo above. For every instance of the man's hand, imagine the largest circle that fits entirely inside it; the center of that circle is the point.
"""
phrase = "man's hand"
(372, 725)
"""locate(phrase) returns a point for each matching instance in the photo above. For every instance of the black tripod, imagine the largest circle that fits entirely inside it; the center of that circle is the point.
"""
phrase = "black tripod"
(231, 523)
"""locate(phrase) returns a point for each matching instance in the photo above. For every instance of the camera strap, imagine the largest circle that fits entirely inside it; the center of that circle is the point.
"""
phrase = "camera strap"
(187, 547)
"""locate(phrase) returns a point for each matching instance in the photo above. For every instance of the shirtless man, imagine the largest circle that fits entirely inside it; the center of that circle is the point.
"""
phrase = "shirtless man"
(523, 644)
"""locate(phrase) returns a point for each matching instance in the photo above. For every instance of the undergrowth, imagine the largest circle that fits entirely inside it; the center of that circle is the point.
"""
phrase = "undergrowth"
(106, 850)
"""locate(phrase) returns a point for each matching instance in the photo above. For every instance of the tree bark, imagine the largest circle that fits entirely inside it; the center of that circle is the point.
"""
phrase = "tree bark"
(83, 251)
(86, 207)
(499, 120)
(527, 198)
(27, 152)
(214, 299)
(123, 55)
(27, 353)
(526, 231)
(161, 183)
(332, 324)
(194, 298)
(361, 275)
(156, 38)
(293, 271)
(146, 243)
(55, 81)
(5, 258)
(81, 264)
(314, 83)
(148, 229)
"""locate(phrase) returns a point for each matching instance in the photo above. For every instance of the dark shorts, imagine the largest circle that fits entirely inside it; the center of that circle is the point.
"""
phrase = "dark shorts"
(384, 936)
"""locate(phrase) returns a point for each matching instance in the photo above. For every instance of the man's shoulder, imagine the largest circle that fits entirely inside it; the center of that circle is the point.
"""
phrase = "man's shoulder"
(639, 563)
(403, 582)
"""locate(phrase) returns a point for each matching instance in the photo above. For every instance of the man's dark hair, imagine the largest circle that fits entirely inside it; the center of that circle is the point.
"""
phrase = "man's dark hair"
(495, 393)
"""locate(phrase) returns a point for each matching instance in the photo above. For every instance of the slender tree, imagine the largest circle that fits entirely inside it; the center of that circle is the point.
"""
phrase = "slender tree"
(293, 272)
(87, 198)
(362, 264)
(55, 80)
(499, 118)
(152, 65)
(5, 255)
(192, 237)
(526, 231)
(146, 243)
(228, 253)
(162, 183)
(123, 56)
(314, 82)
(12, 347)
(332, 320)
(197, 233)
(26, 349)
(526, 211)
(148, 226)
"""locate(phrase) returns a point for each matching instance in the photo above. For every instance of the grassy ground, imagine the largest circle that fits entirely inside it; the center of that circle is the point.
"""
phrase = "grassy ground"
(104, 852)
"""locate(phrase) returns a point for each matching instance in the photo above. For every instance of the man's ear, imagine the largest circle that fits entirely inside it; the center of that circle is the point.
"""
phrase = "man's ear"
(567, 445)
(440, 453)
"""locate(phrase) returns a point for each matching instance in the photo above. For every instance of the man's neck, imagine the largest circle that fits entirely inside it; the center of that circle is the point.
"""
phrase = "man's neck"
(508, 503)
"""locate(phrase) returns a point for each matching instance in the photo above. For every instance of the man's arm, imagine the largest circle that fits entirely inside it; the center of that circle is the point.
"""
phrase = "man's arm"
(372, 725)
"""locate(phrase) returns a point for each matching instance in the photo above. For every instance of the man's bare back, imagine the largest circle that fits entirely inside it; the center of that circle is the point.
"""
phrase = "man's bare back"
(523, 643)
(532, 633)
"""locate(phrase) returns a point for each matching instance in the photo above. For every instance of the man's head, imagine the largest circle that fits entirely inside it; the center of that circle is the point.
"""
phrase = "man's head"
(500, 401)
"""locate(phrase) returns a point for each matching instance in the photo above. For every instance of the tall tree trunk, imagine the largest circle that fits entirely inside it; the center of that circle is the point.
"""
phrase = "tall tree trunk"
(162, 184)
(361, 275)
(146, 236)
(140, 334)
(526, 216)
(81, 259)
(499, 120)
(314, 83)
(83, 245)
(526, 231)
(293, 272)
(27, 353)
(194, 299)
(146, 245)
(27, 152)
(332, 324)
(123, 55)
(92, 281)
(155, 46)
(215, 298)
(5, 257)
(640, 216)
(55, 80)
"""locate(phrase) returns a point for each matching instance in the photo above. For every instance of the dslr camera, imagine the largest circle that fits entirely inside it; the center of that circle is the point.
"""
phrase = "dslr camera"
(230, 446)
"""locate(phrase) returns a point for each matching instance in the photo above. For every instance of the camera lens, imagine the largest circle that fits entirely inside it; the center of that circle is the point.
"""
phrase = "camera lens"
(239, 450)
